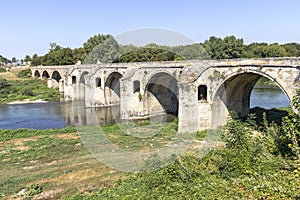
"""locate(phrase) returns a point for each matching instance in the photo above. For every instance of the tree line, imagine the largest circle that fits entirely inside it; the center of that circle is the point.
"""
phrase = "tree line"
(105, 48)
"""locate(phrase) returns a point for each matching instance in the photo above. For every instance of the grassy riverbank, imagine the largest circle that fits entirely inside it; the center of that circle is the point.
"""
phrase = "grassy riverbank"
(55, 164)
(55, 160)
(255, 162)
(13, 88)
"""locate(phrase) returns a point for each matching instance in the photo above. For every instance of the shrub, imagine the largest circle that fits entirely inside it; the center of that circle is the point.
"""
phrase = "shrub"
(27, 92)
(25, 73)
(3, 83)
(34, 189)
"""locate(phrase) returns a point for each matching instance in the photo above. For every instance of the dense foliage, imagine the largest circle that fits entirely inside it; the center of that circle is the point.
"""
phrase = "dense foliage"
(4, 60)
(33, 89)
(104, 48)
(25, 73)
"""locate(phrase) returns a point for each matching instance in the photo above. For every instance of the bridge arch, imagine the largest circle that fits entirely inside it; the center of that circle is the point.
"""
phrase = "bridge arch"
(37, 74)
(112, 88)
(161, 94)
(45, 74)
(234, 91)
(56, 76)
(82, 79)
(81, 85)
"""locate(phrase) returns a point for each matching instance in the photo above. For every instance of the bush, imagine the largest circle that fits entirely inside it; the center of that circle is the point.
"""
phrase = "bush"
(3, 83)
(25, 73)
(27, 92)
(34, 189)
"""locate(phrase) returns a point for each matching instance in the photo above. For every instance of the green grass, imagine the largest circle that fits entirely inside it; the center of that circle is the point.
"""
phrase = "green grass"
(57, 161)
(53, 159)
(194, 178)
(32, 89)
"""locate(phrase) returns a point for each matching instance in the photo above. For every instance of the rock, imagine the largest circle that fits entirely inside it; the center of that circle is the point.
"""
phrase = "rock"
(21, 193)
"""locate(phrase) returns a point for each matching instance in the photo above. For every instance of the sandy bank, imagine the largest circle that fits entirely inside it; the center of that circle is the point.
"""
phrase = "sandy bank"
(25, 101)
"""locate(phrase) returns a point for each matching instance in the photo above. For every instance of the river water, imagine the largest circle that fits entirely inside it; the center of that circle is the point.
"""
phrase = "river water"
(59, 115)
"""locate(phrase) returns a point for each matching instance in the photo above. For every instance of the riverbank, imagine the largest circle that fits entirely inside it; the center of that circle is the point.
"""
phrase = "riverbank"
(26, 101)
(28, 90)
(53, 160)
(54, 163)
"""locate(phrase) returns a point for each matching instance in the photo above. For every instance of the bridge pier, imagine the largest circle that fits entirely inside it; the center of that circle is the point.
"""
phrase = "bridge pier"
(188, 113)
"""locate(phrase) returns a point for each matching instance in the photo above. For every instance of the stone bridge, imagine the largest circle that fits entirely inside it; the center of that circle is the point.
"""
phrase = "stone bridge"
(199, 93)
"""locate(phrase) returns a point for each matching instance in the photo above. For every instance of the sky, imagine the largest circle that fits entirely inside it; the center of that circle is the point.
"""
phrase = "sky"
(28, 26)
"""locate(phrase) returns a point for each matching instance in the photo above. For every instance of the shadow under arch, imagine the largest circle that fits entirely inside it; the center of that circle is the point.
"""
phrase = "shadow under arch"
(56, 76)
(45, 74)
(37, 74)
(81, 85)
(233, 94)
(112, 88)
(162, 93)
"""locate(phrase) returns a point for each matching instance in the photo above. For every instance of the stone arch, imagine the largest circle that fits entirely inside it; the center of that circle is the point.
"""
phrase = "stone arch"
(162, 93)
(45, 74)
(82, 79)
(37, 74)
(81, 85)
(233, 93)
(56, 76)
(112, 88)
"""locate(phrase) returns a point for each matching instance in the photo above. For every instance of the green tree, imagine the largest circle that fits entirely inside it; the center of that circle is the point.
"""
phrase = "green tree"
(27, 58)
(94, 41)
(4, 60)
(233, 47)
(14, 59)
(293, 49)
(58, 56)
(36, 60)
(79, 54)
(107, 51)
(275, 50)
(215, 47)
(190, 52)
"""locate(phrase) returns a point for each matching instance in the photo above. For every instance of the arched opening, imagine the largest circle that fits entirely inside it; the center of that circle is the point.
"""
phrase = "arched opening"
(202, 93)
(267, 94)
(82, 79)
(234, 95)
(73, 80)
(162, 94)
(136, 86)
(37, 74)
(56, 76)
(98, 82)
(82, 85)
(45, 74)
(112, 88)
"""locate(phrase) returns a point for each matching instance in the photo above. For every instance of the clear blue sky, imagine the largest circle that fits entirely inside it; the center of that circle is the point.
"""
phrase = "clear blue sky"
(28, 26)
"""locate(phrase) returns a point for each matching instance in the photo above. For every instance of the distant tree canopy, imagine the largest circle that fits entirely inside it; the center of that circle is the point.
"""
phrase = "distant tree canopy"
(107, 51)
(105, 48)
(227, 48)
(4, 60)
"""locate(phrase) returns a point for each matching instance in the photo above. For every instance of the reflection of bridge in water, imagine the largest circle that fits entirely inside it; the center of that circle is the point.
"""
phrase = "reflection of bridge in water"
(75, 113)
(199, 93)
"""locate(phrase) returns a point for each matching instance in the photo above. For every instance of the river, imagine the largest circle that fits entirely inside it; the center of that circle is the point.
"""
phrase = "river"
(59, 115)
